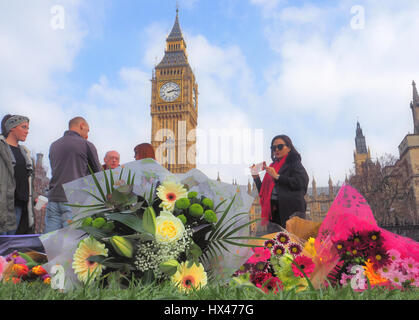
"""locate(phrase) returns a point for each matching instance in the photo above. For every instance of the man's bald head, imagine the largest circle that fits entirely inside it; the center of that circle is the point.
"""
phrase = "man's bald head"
(112, 159)
(79, 125)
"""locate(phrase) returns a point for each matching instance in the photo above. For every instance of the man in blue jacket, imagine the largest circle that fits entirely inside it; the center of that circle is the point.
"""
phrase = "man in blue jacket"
(69, 157)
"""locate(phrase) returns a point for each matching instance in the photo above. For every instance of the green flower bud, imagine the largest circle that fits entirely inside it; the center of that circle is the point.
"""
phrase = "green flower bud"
(192, 194)
(182, 218)
(109, 226)
(98, 222)
(207, 202)
(210, 216)
(196, 210)
(169, 267)
(122, 246)
(182, 203)
(87, 222)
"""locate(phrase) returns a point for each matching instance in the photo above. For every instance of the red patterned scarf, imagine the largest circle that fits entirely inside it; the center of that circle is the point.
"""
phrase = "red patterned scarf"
(268, 184)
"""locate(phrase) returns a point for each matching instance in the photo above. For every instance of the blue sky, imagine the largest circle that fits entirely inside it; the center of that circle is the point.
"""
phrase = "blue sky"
(281, 66)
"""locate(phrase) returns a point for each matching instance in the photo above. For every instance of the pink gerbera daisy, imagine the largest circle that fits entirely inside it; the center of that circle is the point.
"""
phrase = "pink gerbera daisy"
(410, 265)
(397, 277)
(393, 254)
(260, 254)
(305, 263)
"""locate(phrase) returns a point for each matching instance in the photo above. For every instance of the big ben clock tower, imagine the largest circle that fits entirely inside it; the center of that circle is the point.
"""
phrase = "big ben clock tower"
(174, 106)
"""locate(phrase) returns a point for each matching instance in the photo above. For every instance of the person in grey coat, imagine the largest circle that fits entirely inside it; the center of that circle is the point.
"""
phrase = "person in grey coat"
(16, 176)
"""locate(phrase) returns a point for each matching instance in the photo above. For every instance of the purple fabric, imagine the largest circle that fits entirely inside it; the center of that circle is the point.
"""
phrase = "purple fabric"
(23, 243)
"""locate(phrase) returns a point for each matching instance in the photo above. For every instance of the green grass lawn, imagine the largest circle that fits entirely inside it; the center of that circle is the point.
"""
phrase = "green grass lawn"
(137, 291)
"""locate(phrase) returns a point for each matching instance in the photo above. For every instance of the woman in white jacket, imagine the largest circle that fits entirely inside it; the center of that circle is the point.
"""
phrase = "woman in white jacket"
(16, 171)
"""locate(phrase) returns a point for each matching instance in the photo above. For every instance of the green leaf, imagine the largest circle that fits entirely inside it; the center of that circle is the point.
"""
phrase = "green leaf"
(150, 200)
(219, 205)
(129, 219)
(111, 179)
(148, 277)
(195, 250)
(107, 262)
(229, 226)
(124, 198)
(149, 220)
(129, 178)
(95, 232)
(120, 174)
(220, 222)
(108, 187)
(137, 206)
(29, 261)
(97, 184)
(126, 189)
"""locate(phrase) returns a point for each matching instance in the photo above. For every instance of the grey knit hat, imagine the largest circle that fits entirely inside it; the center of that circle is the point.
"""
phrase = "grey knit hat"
(14, 121)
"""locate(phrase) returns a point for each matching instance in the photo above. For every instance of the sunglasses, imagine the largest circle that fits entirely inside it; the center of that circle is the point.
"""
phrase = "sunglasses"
(278, 146)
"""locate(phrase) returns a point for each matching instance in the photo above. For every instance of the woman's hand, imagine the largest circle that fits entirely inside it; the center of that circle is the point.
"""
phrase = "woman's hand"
(271, 171)
(255, 176)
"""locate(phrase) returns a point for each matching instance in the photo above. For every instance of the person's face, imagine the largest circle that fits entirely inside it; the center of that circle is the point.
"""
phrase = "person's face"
(277, 145)
(112, 160)
(84, 130)
(21, 131)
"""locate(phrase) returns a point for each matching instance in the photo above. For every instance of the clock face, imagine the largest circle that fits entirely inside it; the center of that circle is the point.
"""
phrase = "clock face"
(170, 91)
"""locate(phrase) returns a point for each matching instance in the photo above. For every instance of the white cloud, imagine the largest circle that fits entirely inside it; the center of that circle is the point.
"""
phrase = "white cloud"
(32, 50)
(33, 53)
(227, 91)
(118, 112)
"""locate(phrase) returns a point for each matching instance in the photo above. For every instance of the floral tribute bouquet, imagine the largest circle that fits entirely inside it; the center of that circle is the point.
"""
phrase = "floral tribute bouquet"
(356, 252)
(166, 233)
(364, 259)
(19, 266)
(282, 263)
(349, 249)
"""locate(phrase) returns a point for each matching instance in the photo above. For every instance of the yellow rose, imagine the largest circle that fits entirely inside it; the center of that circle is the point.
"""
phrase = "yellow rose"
(168, 228)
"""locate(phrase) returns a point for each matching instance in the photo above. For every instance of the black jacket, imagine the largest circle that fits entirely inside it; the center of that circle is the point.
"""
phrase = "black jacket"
(291, 187)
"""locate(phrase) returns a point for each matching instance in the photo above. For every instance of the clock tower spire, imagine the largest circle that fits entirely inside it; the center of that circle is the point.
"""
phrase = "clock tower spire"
(174, 106)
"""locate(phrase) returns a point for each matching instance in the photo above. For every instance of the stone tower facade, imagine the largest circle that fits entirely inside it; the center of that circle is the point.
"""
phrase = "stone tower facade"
(409, 161)
(361, 153)
(174, 106)
(319, 200)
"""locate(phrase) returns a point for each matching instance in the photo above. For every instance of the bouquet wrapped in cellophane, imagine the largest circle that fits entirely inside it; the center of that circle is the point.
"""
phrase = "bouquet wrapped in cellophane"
(346, 248)
(142, 221)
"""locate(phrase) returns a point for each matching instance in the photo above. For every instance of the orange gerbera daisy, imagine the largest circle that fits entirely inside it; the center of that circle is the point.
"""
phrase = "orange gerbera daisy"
(372, 275)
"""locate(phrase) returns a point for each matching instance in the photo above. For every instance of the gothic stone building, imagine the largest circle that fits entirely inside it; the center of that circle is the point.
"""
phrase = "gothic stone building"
(403, 215)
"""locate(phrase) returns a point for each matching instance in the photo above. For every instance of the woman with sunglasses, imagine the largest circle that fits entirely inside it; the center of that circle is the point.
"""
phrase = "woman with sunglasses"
(16, 169)
(284, 184)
